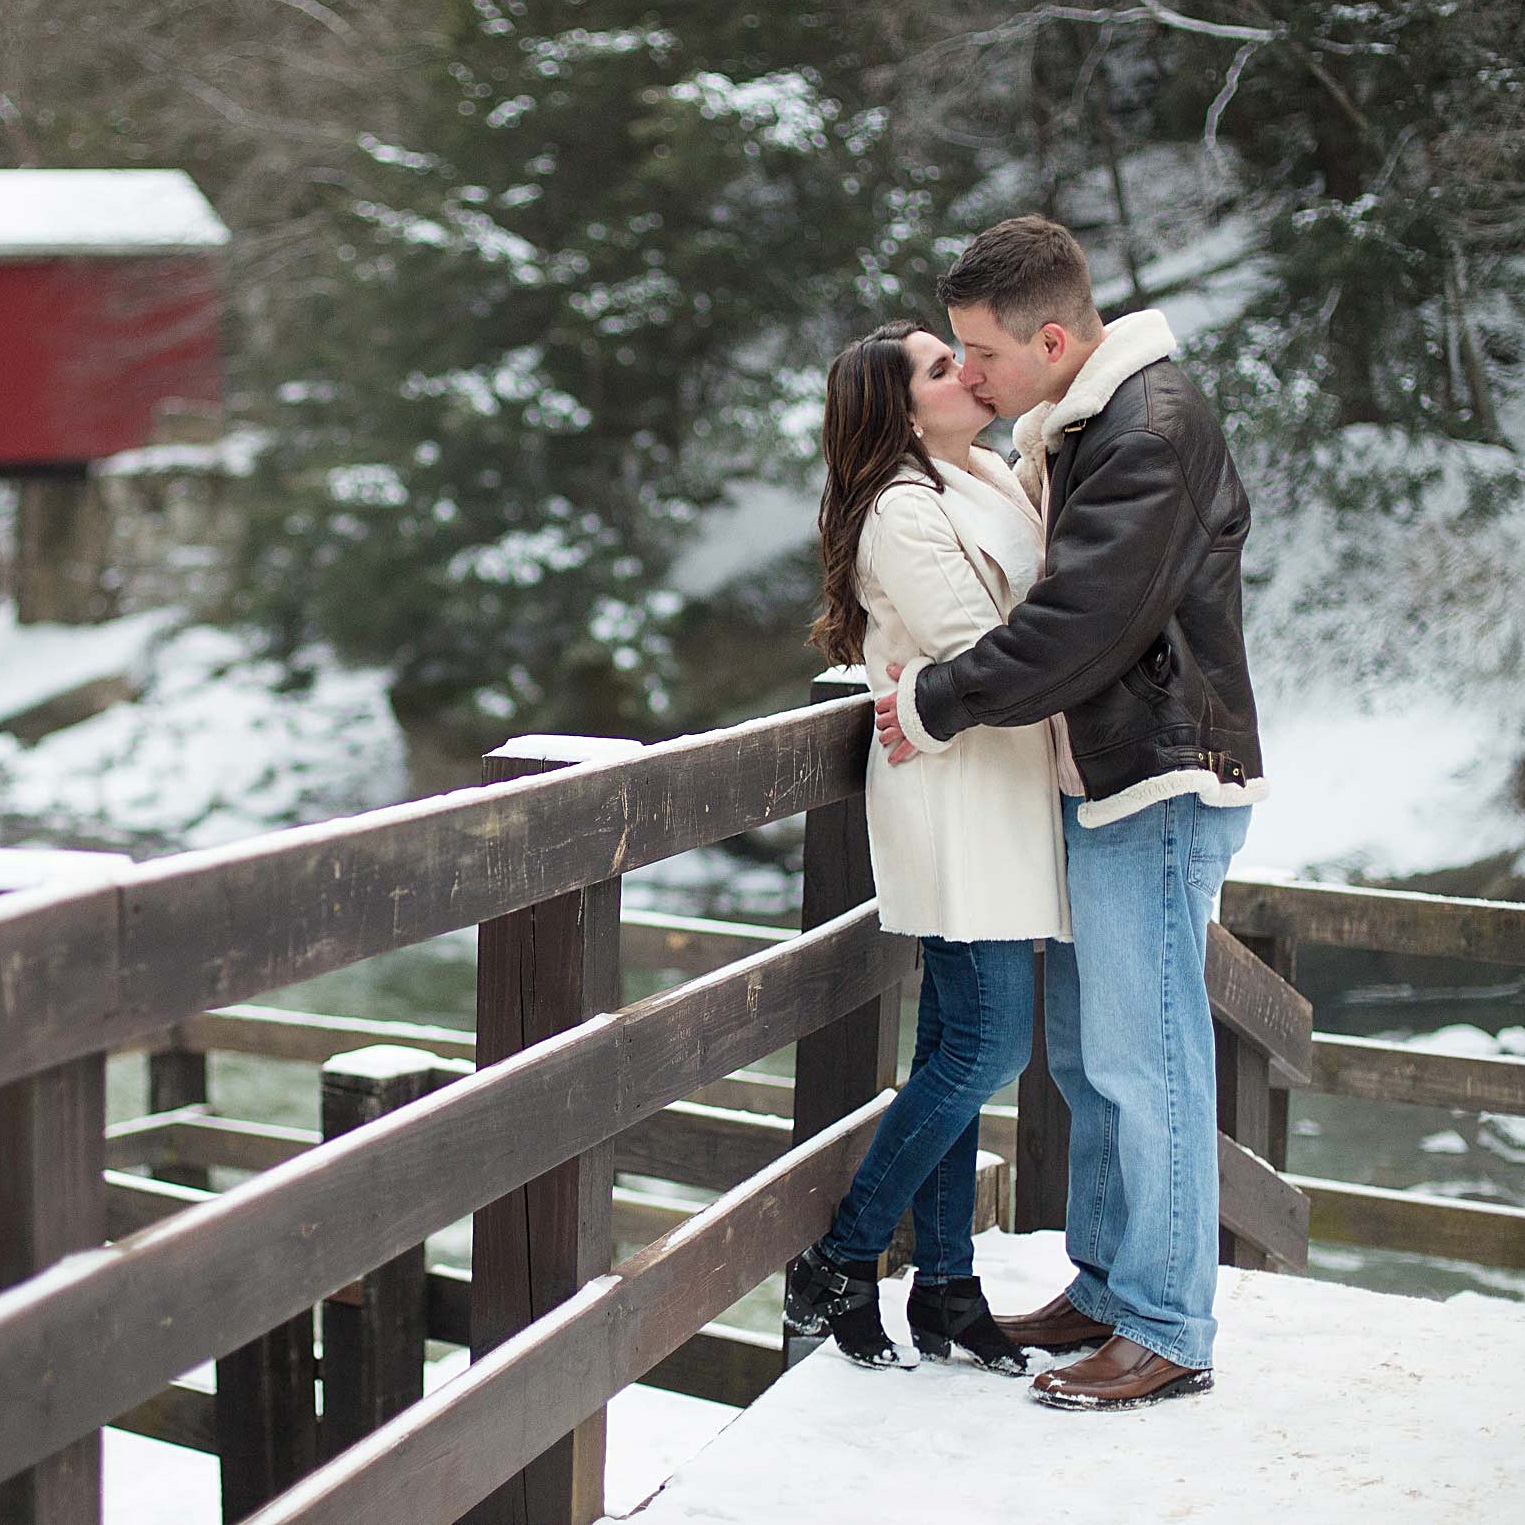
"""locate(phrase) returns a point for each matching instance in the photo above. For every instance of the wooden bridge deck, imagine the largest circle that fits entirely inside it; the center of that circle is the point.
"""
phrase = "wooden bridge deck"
(1332, 1405)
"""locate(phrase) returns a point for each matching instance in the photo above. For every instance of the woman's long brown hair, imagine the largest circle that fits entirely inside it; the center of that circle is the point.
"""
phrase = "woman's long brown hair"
(868, 441)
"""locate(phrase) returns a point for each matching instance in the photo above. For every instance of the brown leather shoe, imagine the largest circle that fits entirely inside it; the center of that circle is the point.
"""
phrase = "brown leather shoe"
(1058, 1326)
(1121, 1375)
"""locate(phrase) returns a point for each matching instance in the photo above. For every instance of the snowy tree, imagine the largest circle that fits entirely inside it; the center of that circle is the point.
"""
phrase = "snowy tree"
(570, 315)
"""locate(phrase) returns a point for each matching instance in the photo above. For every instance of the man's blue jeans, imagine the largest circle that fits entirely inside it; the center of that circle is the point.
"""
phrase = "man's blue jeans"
(974, 1034)
(1130, 1046)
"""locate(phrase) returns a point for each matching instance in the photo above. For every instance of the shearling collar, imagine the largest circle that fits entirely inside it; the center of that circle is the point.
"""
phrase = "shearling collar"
(1130, 343)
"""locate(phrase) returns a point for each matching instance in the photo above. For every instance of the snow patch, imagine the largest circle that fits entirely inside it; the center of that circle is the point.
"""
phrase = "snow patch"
(221, 745)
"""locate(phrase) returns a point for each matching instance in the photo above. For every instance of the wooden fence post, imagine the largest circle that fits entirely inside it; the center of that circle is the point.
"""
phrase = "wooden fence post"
(1249, 1111)
(373, 1329)
(178, 1078)
(1042, 1164)
(53, 1202)
(540, 971)
(1279, 954)
(847, 1063)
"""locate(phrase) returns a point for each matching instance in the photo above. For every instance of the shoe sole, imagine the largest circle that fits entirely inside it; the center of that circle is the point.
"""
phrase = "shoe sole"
(1183, 1387)
(936, 1348)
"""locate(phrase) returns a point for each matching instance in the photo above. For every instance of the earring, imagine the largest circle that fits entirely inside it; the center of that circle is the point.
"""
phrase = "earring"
(916, 430)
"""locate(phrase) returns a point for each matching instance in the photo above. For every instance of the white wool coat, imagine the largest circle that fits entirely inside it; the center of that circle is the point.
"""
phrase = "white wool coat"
(967, 843)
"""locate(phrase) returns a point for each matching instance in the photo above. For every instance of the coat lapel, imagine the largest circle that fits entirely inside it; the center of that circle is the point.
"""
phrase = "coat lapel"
(1059, 479)
(987, 520)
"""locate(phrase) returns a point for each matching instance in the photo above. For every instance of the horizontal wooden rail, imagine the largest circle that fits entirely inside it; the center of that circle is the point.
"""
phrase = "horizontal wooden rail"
(1257, 1005)
(182, 1415)
(134, 1202)
(1484, 1233)
(98, 969)
(690, 944)
(114, 1326)
(1378, 1071)
(1387, 921)
(1258, 1205)
(273, 1033)
(701, 1146)
(444, 1454)
(190, 1136)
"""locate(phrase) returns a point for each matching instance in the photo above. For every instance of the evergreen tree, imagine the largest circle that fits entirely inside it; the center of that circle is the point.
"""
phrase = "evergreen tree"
(571, 313)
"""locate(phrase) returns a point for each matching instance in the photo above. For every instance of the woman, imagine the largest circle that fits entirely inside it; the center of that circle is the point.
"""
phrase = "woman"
(928, 542)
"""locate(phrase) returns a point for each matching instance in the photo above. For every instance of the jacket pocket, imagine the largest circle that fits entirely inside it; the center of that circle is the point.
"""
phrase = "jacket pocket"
(1149, 677)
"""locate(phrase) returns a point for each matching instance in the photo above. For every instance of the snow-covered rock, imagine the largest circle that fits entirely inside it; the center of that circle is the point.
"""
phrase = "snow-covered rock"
(222, 744)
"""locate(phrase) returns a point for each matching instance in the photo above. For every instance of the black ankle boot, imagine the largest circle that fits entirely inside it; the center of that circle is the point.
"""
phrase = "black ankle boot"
(956, 1313)
(844, 1298)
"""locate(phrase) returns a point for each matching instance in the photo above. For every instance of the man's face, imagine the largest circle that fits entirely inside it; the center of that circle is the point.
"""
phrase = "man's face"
(1000, 369)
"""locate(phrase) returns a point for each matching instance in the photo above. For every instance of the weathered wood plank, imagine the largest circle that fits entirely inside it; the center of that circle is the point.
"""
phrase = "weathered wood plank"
(1257, 1205)
(177, 1077)
(1378, 1071)
(839, 1067)
(689, 944)
(373, 1329)
(1389, 921)
(309, 1038)
(432, 1463)
(721, 1364)
(52, 1203)
(223, 925)
(213, 1277)
(265, 1414)
(181, 1415)
(1258, 1006)
(187, 1137)
(59, 985)
(1279, 954)
(1244, 1115)
(134, 1202)
(701, 1146)
(1490, 1234)
(1043, 1129)
(750, 1091)
(540, 972)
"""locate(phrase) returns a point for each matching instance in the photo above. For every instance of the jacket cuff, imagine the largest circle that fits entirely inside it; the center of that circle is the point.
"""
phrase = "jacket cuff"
(910, 721)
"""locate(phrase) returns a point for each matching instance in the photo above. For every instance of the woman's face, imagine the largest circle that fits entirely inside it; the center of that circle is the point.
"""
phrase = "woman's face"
(946, 410)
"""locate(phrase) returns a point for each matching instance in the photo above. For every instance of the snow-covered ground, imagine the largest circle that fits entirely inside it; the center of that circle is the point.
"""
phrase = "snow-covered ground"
(1332, 1405)
(43, 662)
(651, 1432)
(222, 744)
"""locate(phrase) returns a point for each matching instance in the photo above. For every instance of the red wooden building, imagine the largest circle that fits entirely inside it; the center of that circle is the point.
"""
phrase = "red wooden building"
(110, 300)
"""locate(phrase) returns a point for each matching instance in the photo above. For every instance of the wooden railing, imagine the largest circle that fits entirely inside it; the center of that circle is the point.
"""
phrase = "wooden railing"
(90, 1331)
(1276, 919)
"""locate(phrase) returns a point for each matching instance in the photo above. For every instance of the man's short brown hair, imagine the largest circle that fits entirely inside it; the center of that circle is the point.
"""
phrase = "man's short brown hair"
(1028, 271)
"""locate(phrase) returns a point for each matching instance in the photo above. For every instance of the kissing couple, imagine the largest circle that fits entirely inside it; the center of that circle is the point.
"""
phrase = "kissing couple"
(1068, 753)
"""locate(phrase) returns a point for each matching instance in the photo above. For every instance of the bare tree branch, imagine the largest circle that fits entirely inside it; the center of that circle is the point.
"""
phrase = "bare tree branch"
(1225, 95)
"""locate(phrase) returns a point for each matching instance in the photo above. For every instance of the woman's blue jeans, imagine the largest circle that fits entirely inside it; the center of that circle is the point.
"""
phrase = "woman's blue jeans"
(974, 1034)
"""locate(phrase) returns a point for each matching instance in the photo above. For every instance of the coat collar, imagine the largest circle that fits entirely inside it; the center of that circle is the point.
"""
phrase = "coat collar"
(1129, 344)
(989, 509)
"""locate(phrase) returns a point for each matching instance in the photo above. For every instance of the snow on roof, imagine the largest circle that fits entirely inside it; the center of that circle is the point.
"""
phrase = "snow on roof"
(104, 211)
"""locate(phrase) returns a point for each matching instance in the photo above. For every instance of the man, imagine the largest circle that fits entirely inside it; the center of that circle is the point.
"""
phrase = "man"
(1133, 643)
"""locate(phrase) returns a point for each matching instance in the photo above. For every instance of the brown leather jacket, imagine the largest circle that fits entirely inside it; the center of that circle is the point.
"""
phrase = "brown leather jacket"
(1136, 631)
